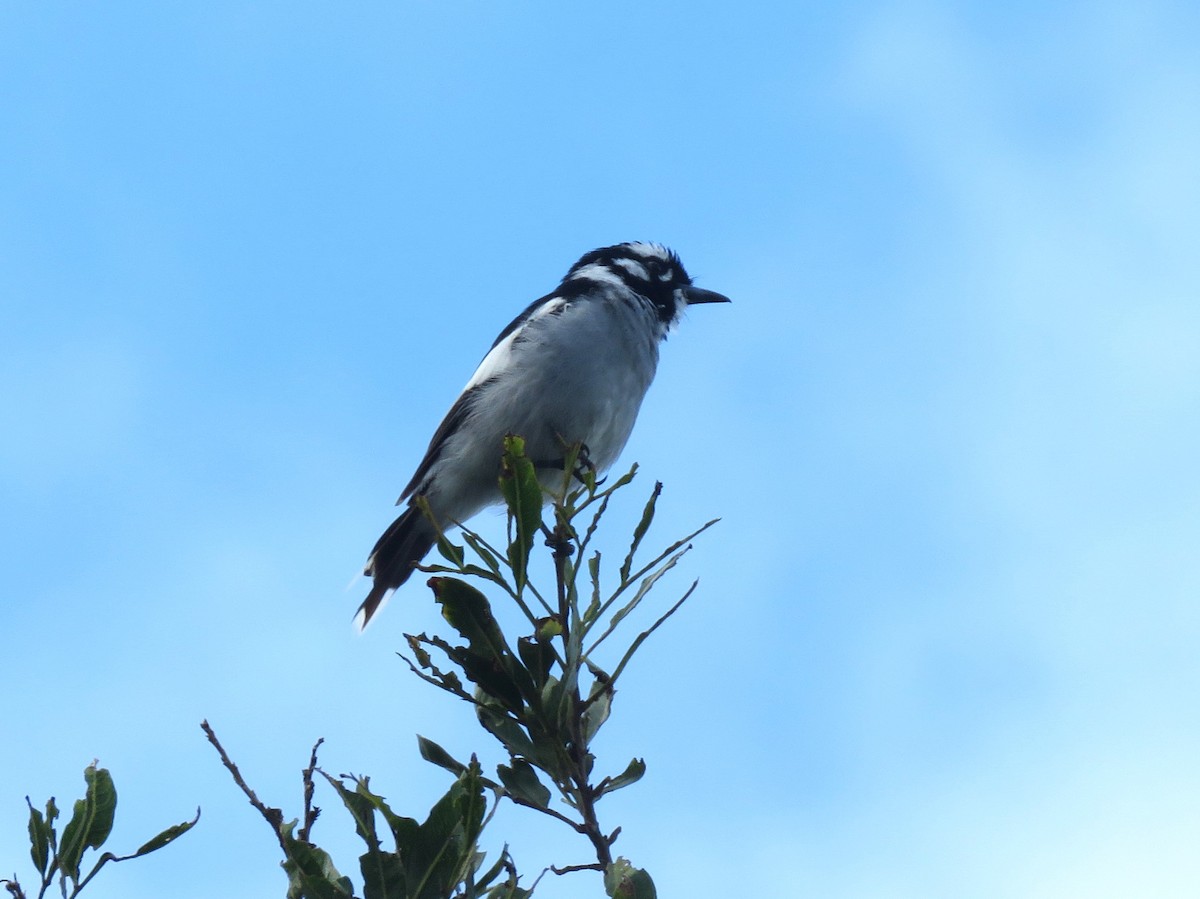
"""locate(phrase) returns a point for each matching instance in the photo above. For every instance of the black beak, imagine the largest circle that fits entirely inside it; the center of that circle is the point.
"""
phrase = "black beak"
(695, 295)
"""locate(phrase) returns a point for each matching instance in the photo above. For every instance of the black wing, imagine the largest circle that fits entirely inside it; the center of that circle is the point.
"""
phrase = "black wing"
(462, 407)
(450, 424)
(526, 314)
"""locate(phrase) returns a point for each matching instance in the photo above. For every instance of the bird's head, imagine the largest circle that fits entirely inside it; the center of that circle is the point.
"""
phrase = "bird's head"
(649, 269)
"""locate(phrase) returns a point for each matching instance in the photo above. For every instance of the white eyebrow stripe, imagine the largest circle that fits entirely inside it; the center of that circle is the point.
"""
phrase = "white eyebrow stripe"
(650, 251)
(634, 268)
(594, 271)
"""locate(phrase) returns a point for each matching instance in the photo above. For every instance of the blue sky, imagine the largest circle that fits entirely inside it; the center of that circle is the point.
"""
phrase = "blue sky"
(944, 641)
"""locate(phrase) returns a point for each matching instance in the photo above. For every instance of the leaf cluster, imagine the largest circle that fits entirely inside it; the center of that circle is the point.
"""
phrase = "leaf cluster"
(543, 696)
(437, 858)
(90, 825)
(546, 699)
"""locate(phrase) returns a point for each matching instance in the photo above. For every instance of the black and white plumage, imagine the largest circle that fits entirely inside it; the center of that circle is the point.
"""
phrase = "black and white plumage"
(574, 366)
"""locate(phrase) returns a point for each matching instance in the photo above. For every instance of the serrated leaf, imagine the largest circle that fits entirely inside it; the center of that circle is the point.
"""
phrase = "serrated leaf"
(432, 752)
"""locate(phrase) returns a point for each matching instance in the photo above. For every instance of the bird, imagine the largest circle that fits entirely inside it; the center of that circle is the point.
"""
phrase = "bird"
(574, 366)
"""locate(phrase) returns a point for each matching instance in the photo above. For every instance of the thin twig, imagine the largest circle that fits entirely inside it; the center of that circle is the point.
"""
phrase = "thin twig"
(546, 810)
(570, 869)
(310, 811)
(273, 815)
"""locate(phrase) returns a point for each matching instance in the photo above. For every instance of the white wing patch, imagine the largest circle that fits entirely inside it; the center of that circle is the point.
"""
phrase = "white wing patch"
(500, 358)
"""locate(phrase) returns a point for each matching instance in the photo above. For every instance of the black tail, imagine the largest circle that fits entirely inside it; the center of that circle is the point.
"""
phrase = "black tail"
(402, 546)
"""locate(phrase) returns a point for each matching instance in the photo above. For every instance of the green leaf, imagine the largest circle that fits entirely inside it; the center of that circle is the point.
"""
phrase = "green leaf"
(359, 804)
(556, 702)
(642, 637)
(39, 838)
(521, 780)
(508, 732)
(451, 552)
(640, 531)
(169, 835)
(480, 549)
(623, 881)
(422, 656)
(596, 714)
(91, 820)
(632, 774)
(383, 875)
(592, 612)
(523, 495)
(468, 612)
(506, 890)
(538, 656)
(491, 678)
(445, 847)
(490, 662)
(645, 587)
(432, 752)
(102, 794)
(311, 872)
(548, 629)
(403, 829)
